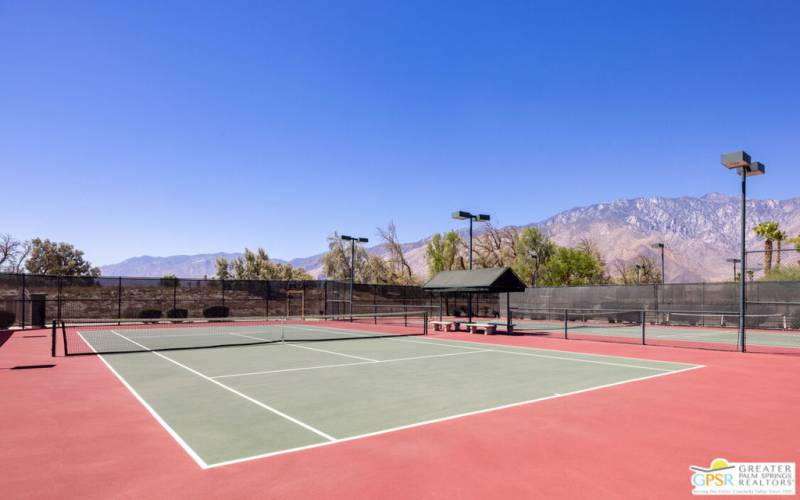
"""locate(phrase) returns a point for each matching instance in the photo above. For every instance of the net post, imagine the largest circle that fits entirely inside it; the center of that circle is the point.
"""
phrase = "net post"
(425, 323)
(53, 340)
(642, 317)
(566, 316)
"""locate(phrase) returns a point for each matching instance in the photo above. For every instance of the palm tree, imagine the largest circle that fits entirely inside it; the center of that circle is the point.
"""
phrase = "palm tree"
(779, 237)
(767, 230)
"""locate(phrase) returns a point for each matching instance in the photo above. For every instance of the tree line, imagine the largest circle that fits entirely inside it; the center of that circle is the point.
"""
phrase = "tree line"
(528, 251)
(42, 256)
(774, 237)
(535, 258)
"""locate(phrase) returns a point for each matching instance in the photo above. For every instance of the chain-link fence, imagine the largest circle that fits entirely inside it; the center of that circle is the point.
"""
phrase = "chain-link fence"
(35, 300)
(677, 314)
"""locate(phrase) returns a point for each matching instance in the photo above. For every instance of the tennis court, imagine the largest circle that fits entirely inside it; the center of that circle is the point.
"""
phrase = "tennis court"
(243, 402)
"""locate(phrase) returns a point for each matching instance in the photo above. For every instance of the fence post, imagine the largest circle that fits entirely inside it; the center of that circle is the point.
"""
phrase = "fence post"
(566, 319)
(23, 301)
(58, 301)
(642, 316)
(266, 298)
(53, 339)
(119, 297)
(222, 286)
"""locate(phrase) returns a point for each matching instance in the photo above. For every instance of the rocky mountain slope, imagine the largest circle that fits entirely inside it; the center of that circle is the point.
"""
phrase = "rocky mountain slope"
(699, 233)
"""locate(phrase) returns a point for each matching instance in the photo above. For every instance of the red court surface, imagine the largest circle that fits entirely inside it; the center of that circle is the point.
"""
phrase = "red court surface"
(74, 431)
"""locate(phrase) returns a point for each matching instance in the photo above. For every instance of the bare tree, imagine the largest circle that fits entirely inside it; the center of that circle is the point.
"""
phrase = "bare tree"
(13, 253)
(496, 247)
(397, 258)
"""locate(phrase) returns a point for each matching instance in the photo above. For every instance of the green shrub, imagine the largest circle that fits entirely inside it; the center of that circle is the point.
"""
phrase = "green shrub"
(7, 319)
(178, 313)
(216, 312)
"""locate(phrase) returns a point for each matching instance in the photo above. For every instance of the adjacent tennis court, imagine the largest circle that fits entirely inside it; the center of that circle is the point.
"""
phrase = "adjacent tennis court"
(244, 402)
(716, 332)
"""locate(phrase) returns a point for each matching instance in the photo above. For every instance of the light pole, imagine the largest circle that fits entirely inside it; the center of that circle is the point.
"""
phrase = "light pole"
(740, 161)
(735, 261)
(535, 258)
(462, 215)
(353, 240)
(661, 246)
(638, 271)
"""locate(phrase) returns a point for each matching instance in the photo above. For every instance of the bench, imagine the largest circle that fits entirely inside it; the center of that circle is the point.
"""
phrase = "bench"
(444, 326)
(457, 324)
(488, 328)
(510, 328)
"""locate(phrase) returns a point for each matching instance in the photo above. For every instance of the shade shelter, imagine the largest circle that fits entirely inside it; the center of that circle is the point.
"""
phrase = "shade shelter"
(488, 280)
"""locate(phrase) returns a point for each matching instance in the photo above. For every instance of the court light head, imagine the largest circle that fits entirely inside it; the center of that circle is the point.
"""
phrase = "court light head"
(756, 168)
(737, 159)
(346, 238)
(657, 245)
(483, 218)
(363, 240)
(461, 215)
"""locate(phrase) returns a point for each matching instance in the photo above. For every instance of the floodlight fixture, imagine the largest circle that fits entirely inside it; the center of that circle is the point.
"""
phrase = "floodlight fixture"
(535, 257)
(463, 215)
(737, 159)
(353, 240)
(734, 261)
(745, 167)
(756, 168)
(661, 246)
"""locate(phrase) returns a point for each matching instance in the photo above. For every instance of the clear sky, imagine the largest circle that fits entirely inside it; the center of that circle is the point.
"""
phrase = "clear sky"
(160, 128)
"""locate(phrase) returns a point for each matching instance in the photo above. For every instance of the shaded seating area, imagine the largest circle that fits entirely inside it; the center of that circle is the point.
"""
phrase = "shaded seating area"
(488, 280)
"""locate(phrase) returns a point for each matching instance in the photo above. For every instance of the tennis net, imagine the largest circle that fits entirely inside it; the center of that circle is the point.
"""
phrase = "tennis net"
(93, 336)
(605, 319)
(570, 319)
(725, 320)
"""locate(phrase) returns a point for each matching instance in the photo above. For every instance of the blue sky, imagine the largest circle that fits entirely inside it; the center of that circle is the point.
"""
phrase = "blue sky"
(160, 128)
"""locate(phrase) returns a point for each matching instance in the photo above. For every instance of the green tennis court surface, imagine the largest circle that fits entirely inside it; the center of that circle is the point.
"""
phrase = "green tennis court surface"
(237, 403)
(789, 339)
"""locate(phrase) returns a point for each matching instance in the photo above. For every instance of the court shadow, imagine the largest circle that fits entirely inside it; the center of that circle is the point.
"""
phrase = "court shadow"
(4, 336)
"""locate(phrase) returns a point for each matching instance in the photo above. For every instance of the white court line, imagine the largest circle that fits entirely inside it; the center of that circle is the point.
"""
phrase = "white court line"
(315, 349)
(319, 367)
(441, 342)
(334, 352)
(548, 356)
(145, 336)
(444, 419)
(609, 363)
(204, 465)
(183, 444)
(565, 358)
(234, 391)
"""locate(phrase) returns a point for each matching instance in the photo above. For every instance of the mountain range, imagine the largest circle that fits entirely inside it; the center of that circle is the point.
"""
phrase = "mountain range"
(699, 234)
